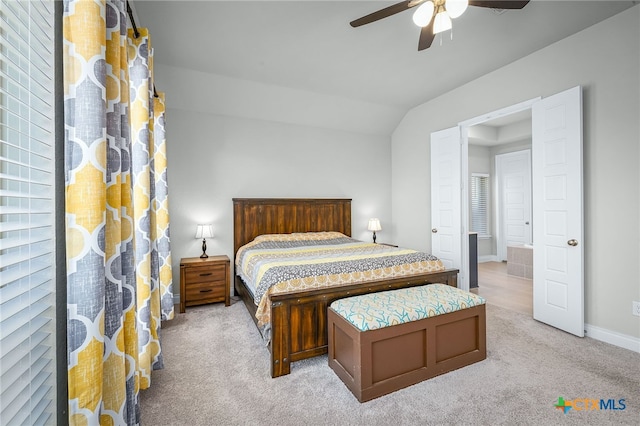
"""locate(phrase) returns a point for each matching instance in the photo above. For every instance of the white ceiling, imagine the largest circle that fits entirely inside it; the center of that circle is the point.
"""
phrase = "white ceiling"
(309, 45)
(515, 127)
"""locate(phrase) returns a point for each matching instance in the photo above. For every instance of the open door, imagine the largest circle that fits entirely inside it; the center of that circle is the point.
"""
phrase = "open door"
(446, 224)
(558, 287)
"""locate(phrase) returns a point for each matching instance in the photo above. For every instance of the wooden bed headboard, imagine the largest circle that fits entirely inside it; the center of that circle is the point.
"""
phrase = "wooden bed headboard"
(257, 216)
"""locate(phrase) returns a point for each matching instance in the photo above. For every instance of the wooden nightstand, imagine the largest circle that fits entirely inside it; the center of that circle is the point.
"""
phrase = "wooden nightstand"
(204, 281)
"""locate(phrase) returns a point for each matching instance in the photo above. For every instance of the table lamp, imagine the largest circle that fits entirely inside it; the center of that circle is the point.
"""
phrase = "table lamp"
(204, 232)
(374, 225)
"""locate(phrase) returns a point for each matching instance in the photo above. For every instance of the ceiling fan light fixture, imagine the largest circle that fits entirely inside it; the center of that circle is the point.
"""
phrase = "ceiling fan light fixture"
(456, 8)
(442, 21)
(422, 15)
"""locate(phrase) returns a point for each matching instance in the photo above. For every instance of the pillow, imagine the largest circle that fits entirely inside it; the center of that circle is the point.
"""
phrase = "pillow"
(300, 236)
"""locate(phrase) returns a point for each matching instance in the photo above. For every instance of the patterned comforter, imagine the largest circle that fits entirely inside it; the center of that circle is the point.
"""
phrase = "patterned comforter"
(279, 263)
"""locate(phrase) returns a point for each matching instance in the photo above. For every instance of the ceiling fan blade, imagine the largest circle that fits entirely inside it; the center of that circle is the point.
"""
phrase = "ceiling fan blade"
(383, 13)
(426, 37)
(499, 4)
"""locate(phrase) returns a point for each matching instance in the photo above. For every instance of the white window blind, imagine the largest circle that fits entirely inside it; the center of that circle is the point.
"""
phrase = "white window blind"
(480, 203)
(27, 284)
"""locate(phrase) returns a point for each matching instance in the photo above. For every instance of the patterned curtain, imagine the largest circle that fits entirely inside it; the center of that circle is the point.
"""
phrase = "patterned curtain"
(104, 301)
(161, 208)
(151, 215)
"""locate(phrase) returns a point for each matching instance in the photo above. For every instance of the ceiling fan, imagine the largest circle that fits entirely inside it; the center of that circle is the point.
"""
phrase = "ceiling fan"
(434, 16)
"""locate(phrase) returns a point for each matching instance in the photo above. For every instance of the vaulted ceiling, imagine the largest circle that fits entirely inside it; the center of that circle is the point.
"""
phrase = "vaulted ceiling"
(309, 45)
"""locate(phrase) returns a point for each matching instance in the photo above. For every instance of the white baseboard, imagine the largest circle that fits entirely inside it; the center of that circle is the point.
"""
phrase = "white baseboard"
(488, 258)
(613, 338)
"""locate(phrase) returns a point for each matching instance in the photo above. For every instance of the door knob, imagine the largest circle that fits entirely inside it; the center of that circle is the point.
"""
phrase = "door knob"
(572, 243)
(434, 230)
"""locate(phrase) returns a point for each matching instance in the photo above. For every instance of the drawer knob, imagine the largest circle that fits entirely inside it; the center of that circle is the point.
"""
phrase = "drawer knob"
(205, 274)
(206, 291)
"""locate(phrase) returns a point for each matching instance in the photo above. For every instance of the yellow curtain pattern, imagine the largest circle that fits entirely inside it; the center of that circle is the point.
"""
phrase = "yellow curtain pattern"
(160, 208)
(114, 299)
(151, 205)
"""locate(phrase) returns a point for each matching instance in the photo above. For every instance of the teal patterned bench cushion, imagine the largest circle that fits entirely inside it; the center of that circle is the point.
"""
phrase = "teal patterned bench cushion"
(391, 307)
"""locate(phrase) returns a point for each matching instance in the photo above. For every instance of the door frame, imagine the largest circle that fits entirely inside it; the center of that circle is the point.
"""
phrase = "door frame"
(464, 132)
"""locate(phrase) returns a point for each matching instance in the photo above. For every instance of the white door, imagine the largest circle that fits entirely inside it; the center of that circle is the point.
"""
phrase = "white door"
(514, 176)
(446, 225)
(558, 287)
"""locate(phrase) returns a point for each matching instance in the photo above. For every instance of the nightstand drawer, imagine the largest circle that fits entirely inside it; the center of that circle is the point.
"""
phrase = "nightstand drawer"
(202, 291)
(206, 274)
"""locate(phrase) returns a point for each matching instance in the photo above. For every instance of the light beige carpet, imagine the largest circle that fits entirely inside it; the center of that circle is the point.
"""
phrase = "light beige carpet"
(217, 373)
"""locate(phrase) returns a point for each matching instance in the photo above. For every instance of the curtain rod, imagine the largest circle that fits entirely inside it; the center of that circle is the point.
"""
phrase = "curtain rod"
(136, 34)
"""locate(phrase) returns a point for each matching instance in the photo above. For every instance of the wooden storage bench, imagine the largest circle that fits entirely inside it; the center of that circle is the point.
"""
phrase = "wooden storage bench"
(382, 342)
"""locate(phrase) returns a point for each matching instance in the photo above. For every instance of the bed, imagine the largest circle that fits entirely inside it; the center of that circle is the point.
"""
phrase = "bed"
(298, 319)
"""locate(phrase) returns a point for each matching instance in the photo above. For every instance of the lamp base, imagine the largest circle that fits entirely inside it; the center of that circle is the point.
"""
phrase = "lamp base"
(204, 254)
(374, 237)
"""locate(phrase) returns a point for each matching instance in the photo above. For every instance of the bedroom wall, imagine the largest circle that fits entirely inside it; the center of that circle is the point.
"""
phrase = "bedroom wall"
(214, 157)
(604, 60)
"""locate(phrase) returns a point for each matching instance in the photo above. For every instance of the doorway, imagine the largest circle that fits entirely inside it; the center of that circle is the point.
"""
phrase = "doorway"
(500, 149)
(558, 256)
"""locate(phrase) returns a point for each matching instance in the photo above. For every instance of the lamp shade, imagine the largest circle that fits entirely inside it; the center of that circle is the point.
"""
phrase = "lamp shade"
(456, 8)
(374, 224)
(204, 231)
(423, 14)
(442, 22)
